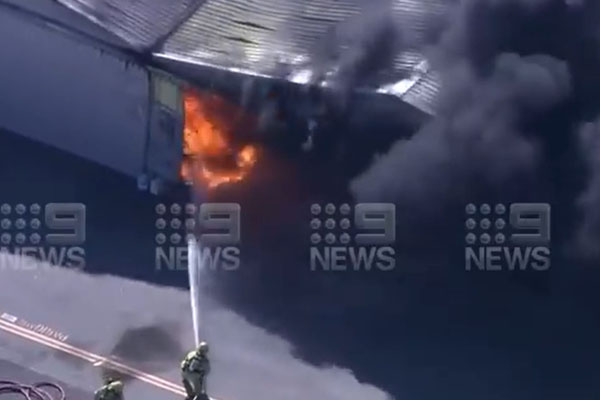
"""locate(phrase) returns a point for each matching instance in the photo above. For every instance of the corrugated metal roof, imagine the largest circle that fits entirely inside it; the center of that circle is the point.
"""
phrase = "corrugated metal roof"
(423, 94)
(271, 38)
(50, 12)
(141, 22)
(262, 35)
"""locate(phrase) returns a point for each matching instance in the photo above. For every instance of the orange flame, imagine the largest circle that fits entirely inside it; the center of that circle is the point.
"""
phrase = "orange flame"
(209, 153)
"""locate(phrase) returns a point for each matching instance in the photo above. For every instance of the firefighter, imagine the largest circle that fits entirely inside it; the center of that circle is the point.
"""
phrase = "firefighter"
(194, 369)
(112, 390)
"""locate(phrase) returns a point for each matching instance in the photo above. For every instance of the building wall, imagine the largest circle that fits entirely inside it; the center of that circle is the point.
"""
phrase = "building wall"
(70, 95)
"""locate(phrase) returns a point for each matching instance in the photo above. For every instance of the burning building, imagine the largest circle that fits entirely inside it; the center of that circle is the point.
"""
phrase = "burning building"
(212, 152)
(170, 93)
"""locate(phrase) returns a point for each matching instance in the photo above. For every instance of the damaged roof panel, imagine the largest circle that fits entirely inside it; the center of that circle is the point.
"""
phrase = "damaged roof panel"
(280, 39)
(274, 33)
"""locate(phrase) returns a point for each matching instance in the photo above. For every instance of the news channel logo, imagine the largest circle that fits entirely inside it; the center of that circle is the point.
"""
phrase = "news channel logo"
(511, 238)
(215, 226)
(53, 233)
(353, 238)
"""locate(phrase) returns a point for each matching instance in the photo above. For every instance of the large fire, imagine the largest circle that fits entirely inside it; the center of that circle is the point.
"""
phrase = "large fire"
(211, 156)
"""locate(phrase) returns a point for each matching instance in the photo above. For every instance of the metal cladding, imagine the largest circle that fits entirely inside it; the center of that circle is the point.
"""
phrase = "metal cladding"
(264, 36)
(270, 38)
(55, 15)
(423, 94)
(141, 23)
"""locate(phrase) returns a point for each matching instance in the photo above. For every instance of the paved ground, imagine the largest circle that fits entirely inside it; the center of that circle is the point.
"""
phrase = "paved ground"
(37, 339)
(17, 373)
(74, 327)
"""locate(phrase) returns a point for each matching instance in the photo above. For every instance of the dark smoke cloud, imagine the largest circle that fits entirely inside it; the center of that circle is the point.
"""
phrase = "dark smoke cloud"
(588, 139)
(477, 133)
(588, 235)
(358, 50)
(150, 348)
(506, 68)
(520, 78)
(477, 30)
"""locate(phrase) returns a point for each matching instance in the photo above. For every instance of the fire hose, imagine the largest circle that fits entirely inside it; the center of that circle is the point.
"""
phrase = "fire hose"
(37, 391)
